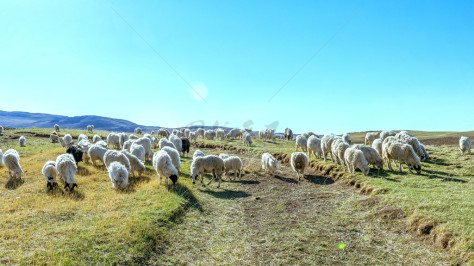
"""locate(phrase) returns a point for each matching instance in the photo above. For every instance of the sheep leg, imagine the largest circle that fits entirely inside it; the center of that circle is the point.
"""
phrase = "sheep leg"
(235, 174)
(400, 163)
(202, 179)
(389, 163)
(219, 179)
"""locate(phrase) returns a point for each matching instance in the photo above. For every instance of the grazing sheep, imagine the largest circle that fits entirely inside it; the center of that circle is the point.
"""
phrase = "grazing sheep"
(193, 136)
(178, 143)
(165, 143)
(371, 155)
(335, 142)
(111, 139)
(127, 145)
(288, 134)
(22, 141)
(220, 133)
(82, 137)
(67, 169)
(370, 137)
(96, 139)
(163, 133)
(413, 142)
(301, 142)
(146, 135)
(233, 133)
(200, 133)
(209, 134)
(122, 139)
(146, 143)
(54, 138)
(247, 139)
(299, 160)
(102, 143)
(465, 145)
(133, 137)
(138, 131)
(426, 154)
(118, 174)
(68, 140)
(354, 158)
(76, 152)
(403, 153)
(207, 164)
(338, 149)
(90, 128)
(234, 164)
(138, 150)
(175, 158)
(179, 134)
(50, 173)
(116, 156)
(11, 159)
(269, 163)
(135, 164)
(377, 145)
(97, 152)
(198, 153)
(185, 145)
(347, 138)
(326, 145)
(56, 128)
(313, 146)
(187, 132)
(164, 167)
(385, 134)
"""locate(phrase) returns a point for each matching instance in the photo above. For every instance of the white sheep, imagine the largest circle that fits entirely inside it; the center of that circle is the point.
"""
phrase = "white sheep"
(165, 143)
(371, 155)
(122, 139)
(138, 150)
(56, 127)
(154, 142)
(200, 133)
(22, 141)
(1, 130)
(178, 143)
(354, 158)
(135, 164)
(192, 136)
(90, 128)
(163, 133)
(164, 167)
(111, 139)
(82, 137)
(269, 163)
(413, 141)
(96, 139)
(127, 145)
(426, 154)
(403, 153)
(187, 131)
(146, 143)
(116, 156)
(247, 139)
(68, 140)
(209, 134)
(347, 138)
(207, 164)
(50, 173)
(220, 133)
(301, 142)
(102, 143)
(377, 145)
(313, 146)
(138, 131)
(11, 159)
(224, 156)
(335, 142)
(234, 164)
(146, 135)
(67, 168)
(118, 174)
(299, 160)
(465, 145)
(233, 133)
(338, 149)
(385, 134)
(198, 153)
(175, 158)
(97, 152)
(326, 145)
(370, 137)
(406, 133)
(54, 138)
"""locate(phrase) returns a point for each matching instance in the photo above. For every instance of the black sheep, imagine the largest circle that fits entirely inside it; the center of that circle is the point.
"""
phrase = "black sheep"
(186, 145)
(76, 152)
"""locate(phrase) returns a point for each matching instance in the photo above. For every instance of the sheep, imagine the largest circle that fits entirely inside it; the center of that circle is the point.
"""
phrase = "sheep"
(61, 140)
(76, 153)
(81, 137)
(185, 145)
(111, 139)
(187, 132)
(370, 137)
(200, 133)
(102, 143)
(234, 164)
(97, 152)
(122, 139)
(116, 156)
(465, 145)
(313, 146)
(96, 139)
(288, 134)
(404, 132)
(56, 128)
(127, 145)
(354, 158)
(182, 130)
(198, 153)
(1, 130)
(1, 157)
(165, 143)
(334, 152)
(146, 135)
(301, 142)
(347, 138)
(11, 159)
(371, 155)
(22, 141)
(133, 137)
(247, 139)
(233, 133)
(220, 133)
(304, 134)
(50, 173)
(138, 151)
(154, 142)
(413, 142)
(118, 174)
(175, 158)
(207, 164)
(426, 154)
(135, 164)
(209, 134)
(403, 153)
(178, 143)
(299, 160)
(138, 131)
(164, 167)
(193, 136)
(90, 128)
(385, 134)
(146, 143)
(338, 149)
(266, 134)
(67, 169)
(224, 156)
(326, 144)
(377, 145)
(261, 134)
(269, 163)
(54, 138)
(163, 133)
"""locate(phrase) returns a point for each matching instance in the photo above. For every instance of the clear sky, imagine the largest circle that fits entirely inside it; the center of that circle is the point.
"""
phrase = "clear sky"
(395, 65)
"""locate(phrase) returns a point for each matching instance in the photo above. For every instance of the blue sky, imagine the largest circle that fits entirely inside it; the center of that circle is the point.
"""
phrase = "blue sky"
(395, 65)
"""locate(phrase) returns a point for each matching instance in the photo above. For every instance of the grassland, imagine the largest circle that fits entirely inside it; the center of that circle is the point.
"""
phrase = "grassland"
(96, 224)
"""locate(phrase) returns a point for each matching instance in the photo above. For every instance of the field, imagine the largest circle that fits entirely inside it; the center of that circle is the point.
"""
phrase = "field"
(330, 217)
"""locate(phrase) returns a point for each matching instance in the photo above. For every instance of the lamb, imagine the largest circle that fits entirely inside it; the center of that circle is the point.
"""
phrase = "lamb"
(403, 153)
(385, 134)
(164, 167)
(347, 138)
(326, 145)
(413, 142)
(135, 164)
(118, 174)
(11, 159)
(377, 145)
(465, 145)
(81, 137)
(90, 128)
(76, 153)
(370, 137)
(186, 145)
(96, 139)
(146, 143)
(200, 133)
(288, 134)
(138, 131)
(269, 163)
(313, 146)
(354, 158)
(56, 128)
(116, 156)
(133, 137)
(165, 143)
(234, 164)
(233, 133)
(67, 169)
(178, 143)
(50, 173)
(175, 158)
(299, 160)
(370, 155)
(97, 152)
(247, 139)
(207, 164)
(209, 134)
(338, 149)
(163, 133)
(138, 151)
(122, 139)
(22, 141)
(198, 153)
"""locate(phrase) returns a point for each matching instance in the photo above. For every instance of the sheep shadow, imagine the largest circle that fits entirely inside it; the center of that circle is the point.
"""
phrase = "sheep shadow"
(447, 179)
(319, 180)
(135, 181)
(247, 182)
(58, 191)
(14, 183)
(227, 194)
(436, 173)
(187, 194)
(286, 179)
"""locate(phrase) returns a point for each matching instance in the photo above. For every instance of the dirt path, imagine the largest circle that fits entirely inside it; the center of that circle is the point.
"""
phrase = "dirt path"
(262, 220)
